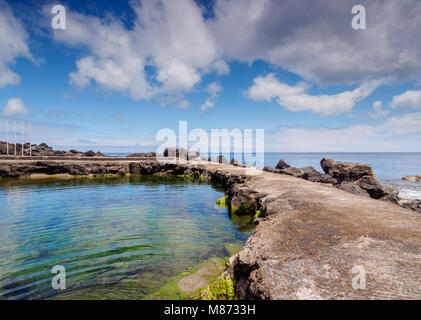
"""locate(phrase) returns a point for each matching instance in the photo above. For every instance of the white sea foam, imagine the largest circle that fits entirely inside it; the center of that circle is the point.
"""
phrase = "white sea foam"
(410, 193)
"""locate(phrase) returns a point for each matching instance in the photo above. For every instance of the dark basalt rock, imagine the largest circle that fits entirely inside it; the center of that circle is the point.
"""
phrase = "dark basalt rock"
(293, 171)
(353, 188)
(180, 153)
(152, 155)
(44, 150)
(244, 200)
(282, 165)
(221, 159)
(374, 188)
(234, 162)
(411, 204)
(136, 155)
(89, 153)
(346, 171)
(270, 169)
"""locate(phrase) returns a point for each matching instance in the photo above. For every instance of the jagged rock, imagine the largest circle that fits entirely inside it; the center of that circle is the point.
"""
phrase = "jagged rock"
(188, 172)
(234, 162)
(244, 200)
(89, 153)
(134, 155)
(293, 171)
(346, 171)
(411, 204)
(374, 188)
(311, 174)
(412, 178)
(282, 165)
(393, 197)
(152, 155)
(320, 178)
(219, 177)
(180, 153)
(270, 169)
(221, 159)
(353, 188)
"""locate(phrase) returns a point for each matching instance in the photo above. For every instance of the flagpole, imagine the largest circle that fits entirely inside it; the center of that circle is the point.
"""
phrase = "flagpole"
(15, 137)
(29, 138)
(7, 137)
(21, 137)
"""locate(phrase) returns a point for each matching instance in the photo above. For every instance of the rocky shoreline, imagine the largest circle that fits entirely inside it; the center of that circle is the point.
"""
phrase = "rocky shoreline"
(310, 233)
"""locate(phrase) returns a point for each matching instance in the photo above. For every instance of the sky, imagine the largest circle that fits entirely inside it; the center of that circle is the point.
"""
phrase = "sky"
(123, 70)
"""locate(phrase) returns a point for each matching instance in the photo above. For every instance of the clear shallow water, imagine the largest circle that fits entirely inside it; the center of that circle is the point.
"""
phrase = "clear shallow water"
(117, 238)
(389, 168)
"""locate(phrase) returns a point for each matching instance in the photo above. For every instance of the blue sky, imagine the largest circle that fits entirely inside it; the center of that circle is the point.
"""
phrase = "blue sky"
(123, 70)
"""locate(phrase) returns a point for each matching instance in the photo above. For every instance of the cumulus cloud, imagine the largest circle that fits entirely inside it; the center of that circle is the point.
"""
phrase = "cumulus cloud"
(213, 89)
(315, 40)
(408, 100)
(397, 134)
(183, 104)
(13, 44)
(378, 111)
(176, 50)
(296, 98)
(15, 107)
(171, 45)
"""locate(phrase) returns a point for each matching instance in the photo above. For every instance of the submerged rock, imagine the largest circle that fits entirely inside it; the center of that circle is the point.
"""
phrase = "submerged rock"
(412, 178)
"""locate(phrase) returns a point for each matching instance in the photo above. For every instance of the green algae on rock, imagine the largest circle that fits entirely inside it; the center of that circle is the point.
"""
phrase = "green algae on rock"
(188, 284)
(221, 289)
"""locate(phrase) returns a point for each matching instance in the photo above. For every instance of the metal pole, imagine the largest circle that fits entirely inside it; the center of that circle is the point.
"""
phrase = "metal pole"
(22, 136)
(15, 137)
(7, 137)
(29, 138)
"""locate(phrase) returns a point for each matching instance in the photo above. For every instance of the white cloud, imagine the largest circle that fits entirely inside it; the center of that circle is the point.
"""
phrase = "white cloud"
(15, 107)
(170, 38)
(183, 104)
(13, 44)
(406, 101)
(213, 89)
(378, 111)
(177, 46)
(398, 134)
(296, 98)
(315, 40)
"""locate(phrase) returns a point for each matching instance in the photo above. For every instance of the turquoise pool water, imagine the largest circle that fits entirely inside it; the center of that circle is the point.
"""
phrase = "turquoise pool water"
(120, 238)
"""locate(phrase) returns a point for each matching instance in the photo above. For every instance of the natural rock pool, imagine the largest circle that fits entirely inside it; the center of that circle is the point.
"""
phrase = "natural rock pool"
(118, 238)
